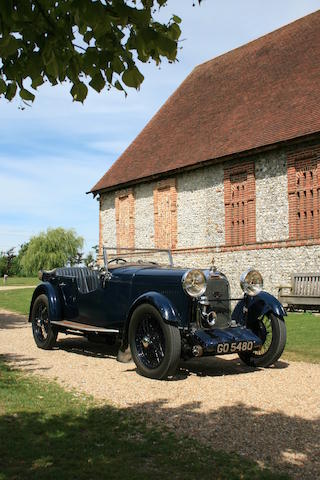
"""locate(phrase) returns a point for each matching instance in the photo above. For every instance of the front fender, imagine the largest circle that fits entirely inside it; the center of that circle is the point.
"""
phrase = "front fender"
(161, 303)
(258, 306)
(53, 299)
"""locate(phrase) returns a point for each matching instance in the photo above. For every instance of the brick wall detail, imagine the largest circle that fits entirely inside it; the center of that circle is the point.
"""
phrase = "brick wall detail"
(124, 211)
(165, 214)
(304, 193)
(100, 229)
(240, 204)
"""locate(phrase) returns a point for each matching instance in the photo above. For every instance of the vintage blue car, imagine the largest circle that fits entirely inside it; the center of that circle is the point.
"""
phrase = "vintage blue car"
(159, 313)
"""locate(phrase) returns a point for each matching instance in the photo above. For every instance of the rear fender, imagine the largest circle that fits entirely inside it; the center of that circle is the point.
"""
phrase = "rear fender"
(161, 303)
(53, 299)
(259, 305)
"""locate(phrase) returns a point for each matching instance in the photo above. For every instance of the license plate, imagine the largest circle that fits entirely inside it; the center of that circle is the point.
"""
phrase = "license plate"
(235, 347)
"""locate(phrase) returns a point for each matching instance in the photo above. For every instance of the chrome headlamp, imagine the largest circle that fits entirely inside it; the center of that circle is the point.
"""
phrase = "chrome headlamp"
(194, 283)
(251, 282)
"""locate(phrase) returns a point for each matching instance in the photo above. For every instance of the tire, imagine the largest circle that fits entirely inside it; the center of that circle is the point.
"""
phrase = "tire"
(44, 335)
(272, 330)
(155, 345)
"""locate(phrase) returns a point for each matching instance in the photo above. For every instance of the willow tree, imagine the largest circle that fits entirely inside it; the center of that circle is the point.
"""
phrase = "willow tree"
(50, 249)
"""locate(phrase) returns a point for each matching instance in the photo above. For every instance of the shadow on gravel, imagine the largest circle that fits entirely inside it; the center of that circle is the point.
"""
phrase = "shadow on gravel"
(81, 346)
(203, 367)
(220, 366)
(28, 364)
(287, 443)
(11, 320)
(107, 442)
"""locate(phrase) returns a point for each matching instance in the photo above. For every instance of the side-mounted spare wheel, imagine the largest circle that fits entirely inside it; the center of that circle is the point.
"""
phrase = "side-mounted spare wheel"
(272, 331)
(155, 346)
(44, 335)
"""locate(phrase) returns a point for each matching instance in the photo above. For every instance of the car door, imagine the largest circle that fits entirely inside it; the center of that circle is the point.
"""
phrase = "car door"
(108, 305)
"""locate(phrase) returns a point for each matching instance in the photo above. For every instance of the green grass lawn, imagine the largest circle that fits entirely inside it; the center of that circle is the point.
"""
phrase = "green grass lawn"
(16, 281)
(16, 300)
(303, 330)
(303, 337)
(48, 433)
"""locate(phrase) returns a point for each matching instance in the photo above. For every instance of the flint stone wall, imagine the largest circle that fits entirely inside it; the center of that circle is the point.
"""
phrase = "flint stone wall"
(201, 223)
(108, 233)
(276, 265)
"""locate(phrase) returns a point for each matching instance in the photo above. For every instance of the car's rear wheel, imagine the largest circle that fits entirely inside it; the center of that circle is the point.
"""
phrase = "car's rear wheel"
(272, 331)
(44, 335)
(155, 345)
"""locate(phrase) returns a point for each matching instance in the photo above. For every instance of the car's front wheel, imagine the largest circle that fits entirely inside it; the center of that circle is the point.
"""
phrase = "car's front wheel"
(272, 331)
(155, 346)
(44, 335)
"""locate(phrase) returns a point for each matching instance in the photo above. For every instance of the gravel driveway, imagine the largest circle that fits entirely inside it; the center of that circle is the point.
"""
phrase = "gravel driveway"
(271, 416)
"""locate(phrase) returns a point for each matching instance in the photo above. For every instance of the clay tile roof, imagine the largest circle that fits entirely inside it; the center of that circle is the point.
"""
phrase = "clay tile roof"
(259, 94)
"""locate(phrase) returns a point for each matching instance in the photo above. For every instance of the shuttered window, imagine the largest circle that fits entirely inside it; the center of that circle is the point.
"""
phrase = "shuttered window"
(304, 195)
(165, 214)
(124, 205)
(240, 204)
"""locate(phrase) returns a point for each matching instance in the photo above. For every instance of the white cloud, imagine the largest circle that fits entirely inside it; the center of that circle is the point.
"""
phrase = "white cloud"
(109, 146)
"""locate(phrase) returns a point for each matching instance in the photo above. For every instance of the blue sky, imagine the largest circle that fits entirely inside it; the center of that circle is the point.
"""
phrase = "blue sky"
(55, 151)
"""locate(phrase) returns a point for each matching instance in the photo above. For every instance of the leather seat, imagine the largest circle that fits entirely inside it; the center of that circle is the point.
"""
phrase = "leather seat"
(87, 279)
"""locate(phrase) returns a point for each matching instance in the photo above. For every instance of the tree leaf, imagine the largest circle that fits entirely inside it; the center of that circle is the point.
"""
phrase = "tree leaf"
(176, 19)
(36, 82)
(52, 66)
(11, 90)
(46, 43)
(79, 92)
(175, 32)
(97, 82)
(132, 77)
(3, 86)
(26, 95)
(118, 85)
(9, 45)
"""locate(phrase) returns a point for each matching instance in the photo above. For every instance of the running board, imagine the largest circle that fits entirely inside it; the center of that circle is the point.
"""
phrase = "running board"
(82, 327)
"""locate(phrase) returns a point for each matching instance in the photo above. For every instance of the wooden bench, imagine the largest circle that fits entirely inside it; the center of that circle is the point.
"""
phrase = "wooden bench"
(303, 293)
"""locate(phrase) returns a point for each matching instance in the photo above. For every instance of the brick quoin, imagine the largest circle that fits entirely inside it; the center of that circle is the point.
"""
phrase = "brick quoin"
(240, 203)
(165, 214)
(304, 192)
(125, 218)
(100, 229)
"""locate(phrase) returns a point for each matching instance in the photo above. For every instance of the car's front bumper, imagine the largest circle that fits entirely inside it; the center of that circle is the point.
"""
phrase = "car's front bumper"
(218, 341)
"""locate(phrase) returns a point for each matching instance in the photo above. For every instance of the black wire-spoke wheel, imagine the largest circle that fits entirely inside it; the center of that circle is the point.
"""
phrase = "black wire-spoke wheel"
(155, 346)
(272, 331)
(150, 341)
(44, 335)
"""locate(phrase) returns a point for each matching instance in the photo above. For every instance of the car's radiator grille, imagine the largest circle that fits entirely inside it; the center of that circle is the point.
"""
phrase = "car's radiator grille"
(218, 293)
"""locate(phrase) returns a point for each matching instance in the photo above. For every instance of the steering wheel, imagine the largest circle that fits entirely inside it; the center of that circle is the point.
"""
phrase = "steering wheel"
(117, 260)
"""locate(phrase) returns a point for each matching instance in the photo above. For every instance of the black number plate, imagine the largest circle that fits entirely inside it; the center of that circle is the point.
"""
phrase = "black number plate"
(235, 347)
